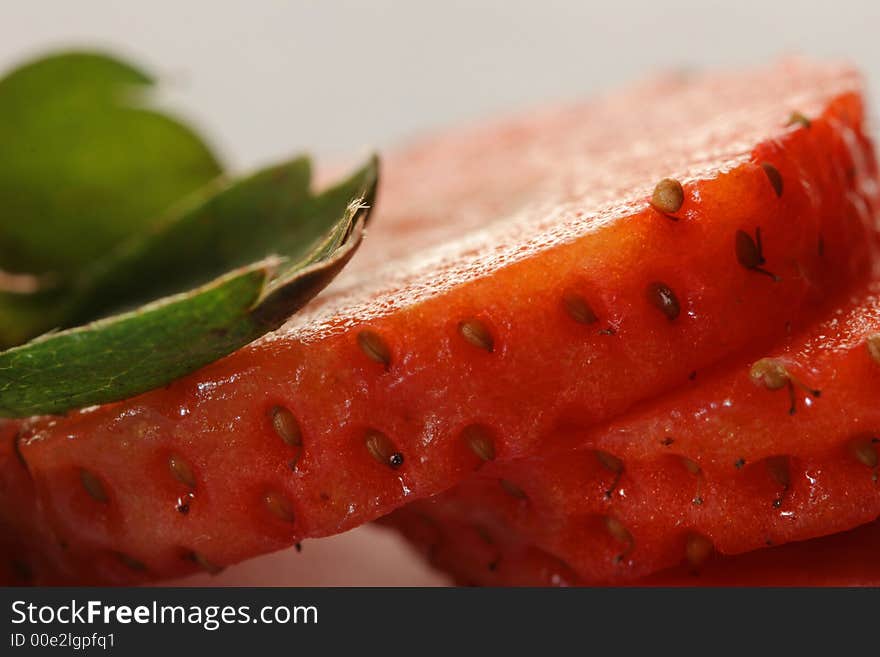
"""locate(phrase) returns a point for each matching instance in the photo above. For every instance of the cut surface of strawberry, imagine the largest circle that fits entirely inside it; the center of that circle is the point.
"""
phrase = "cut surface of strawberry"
(532, 289)
(726, 465)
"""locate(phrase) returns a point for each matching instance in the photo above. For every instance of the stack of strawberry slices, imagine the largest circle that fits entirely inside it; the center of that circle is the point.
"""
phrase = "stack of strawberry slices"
(630, 341)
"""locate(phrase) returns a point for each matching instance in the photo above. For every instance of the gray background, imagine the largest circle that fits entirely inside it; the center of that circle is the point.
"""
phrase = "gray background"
(268, 78)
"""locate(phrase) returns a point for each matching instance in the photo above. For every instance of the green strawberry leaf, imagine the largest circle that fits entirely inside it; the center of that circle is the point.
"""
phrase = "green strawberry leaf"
(302, 241)
(85, 163)
(219, 228)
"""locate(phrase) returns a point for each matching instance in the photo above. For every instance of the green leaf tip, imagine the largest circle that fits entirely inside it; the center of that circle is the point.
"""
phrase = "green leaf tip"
(84, 152)
(142, 349)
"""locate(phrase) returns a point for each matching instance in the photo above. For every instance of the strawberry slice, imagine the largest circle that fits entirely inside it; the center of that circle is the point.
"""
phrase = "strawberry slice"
(475, 558)
(845, 559)
(472, 555)
(538, 276)
(23, 529)
(727, 464)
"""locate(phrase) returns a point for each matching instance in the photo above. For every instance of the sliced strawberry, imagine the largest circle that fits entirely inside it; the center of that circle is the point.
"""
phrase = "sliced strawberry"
(564, 298)
(724, 465)
(473, 555)
(30, 552)
(844, 559)
(476, 558)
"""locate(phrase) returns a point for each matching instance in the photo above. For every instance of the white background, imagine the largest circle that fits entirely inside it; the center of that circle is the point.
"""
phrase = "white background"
(268, 78)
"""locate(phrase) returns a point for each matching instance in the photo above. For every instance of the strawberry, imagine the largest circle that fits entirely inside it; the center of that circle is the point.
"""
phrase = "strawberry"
(537, 277)
(739, 460)
(845, 559)
(474, 557)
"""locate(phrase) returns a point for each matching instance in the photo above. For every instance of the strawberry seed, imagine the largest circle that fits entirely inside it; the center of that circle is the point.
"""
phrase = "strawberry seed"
(478, 439)
(512, 489)
(93, 486)
(750, 253)
(202, 562)
(181, 471)
(663, 298)
(578, 308)
(796, 118)
(668, 196)
(698, 549)
(278, 506)
(286, 426)
(382, 449)
(476, 333)
(865, 451)
(773, 375)
(372, 344)
(873, 344)
(773, 176)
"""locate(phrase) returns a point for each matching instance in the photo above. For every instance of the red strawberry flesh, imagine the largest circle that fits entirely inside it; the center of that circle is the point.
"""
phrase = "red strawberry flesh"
(476, 558)
(499, 246)
(721, 464)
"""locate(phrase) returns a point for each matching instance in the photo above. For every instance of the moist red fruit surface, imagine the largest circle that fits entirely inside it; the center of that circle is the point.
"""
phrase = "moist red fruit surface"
(476, 558)
(520, 286)
(844, 559)
(719, 466)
